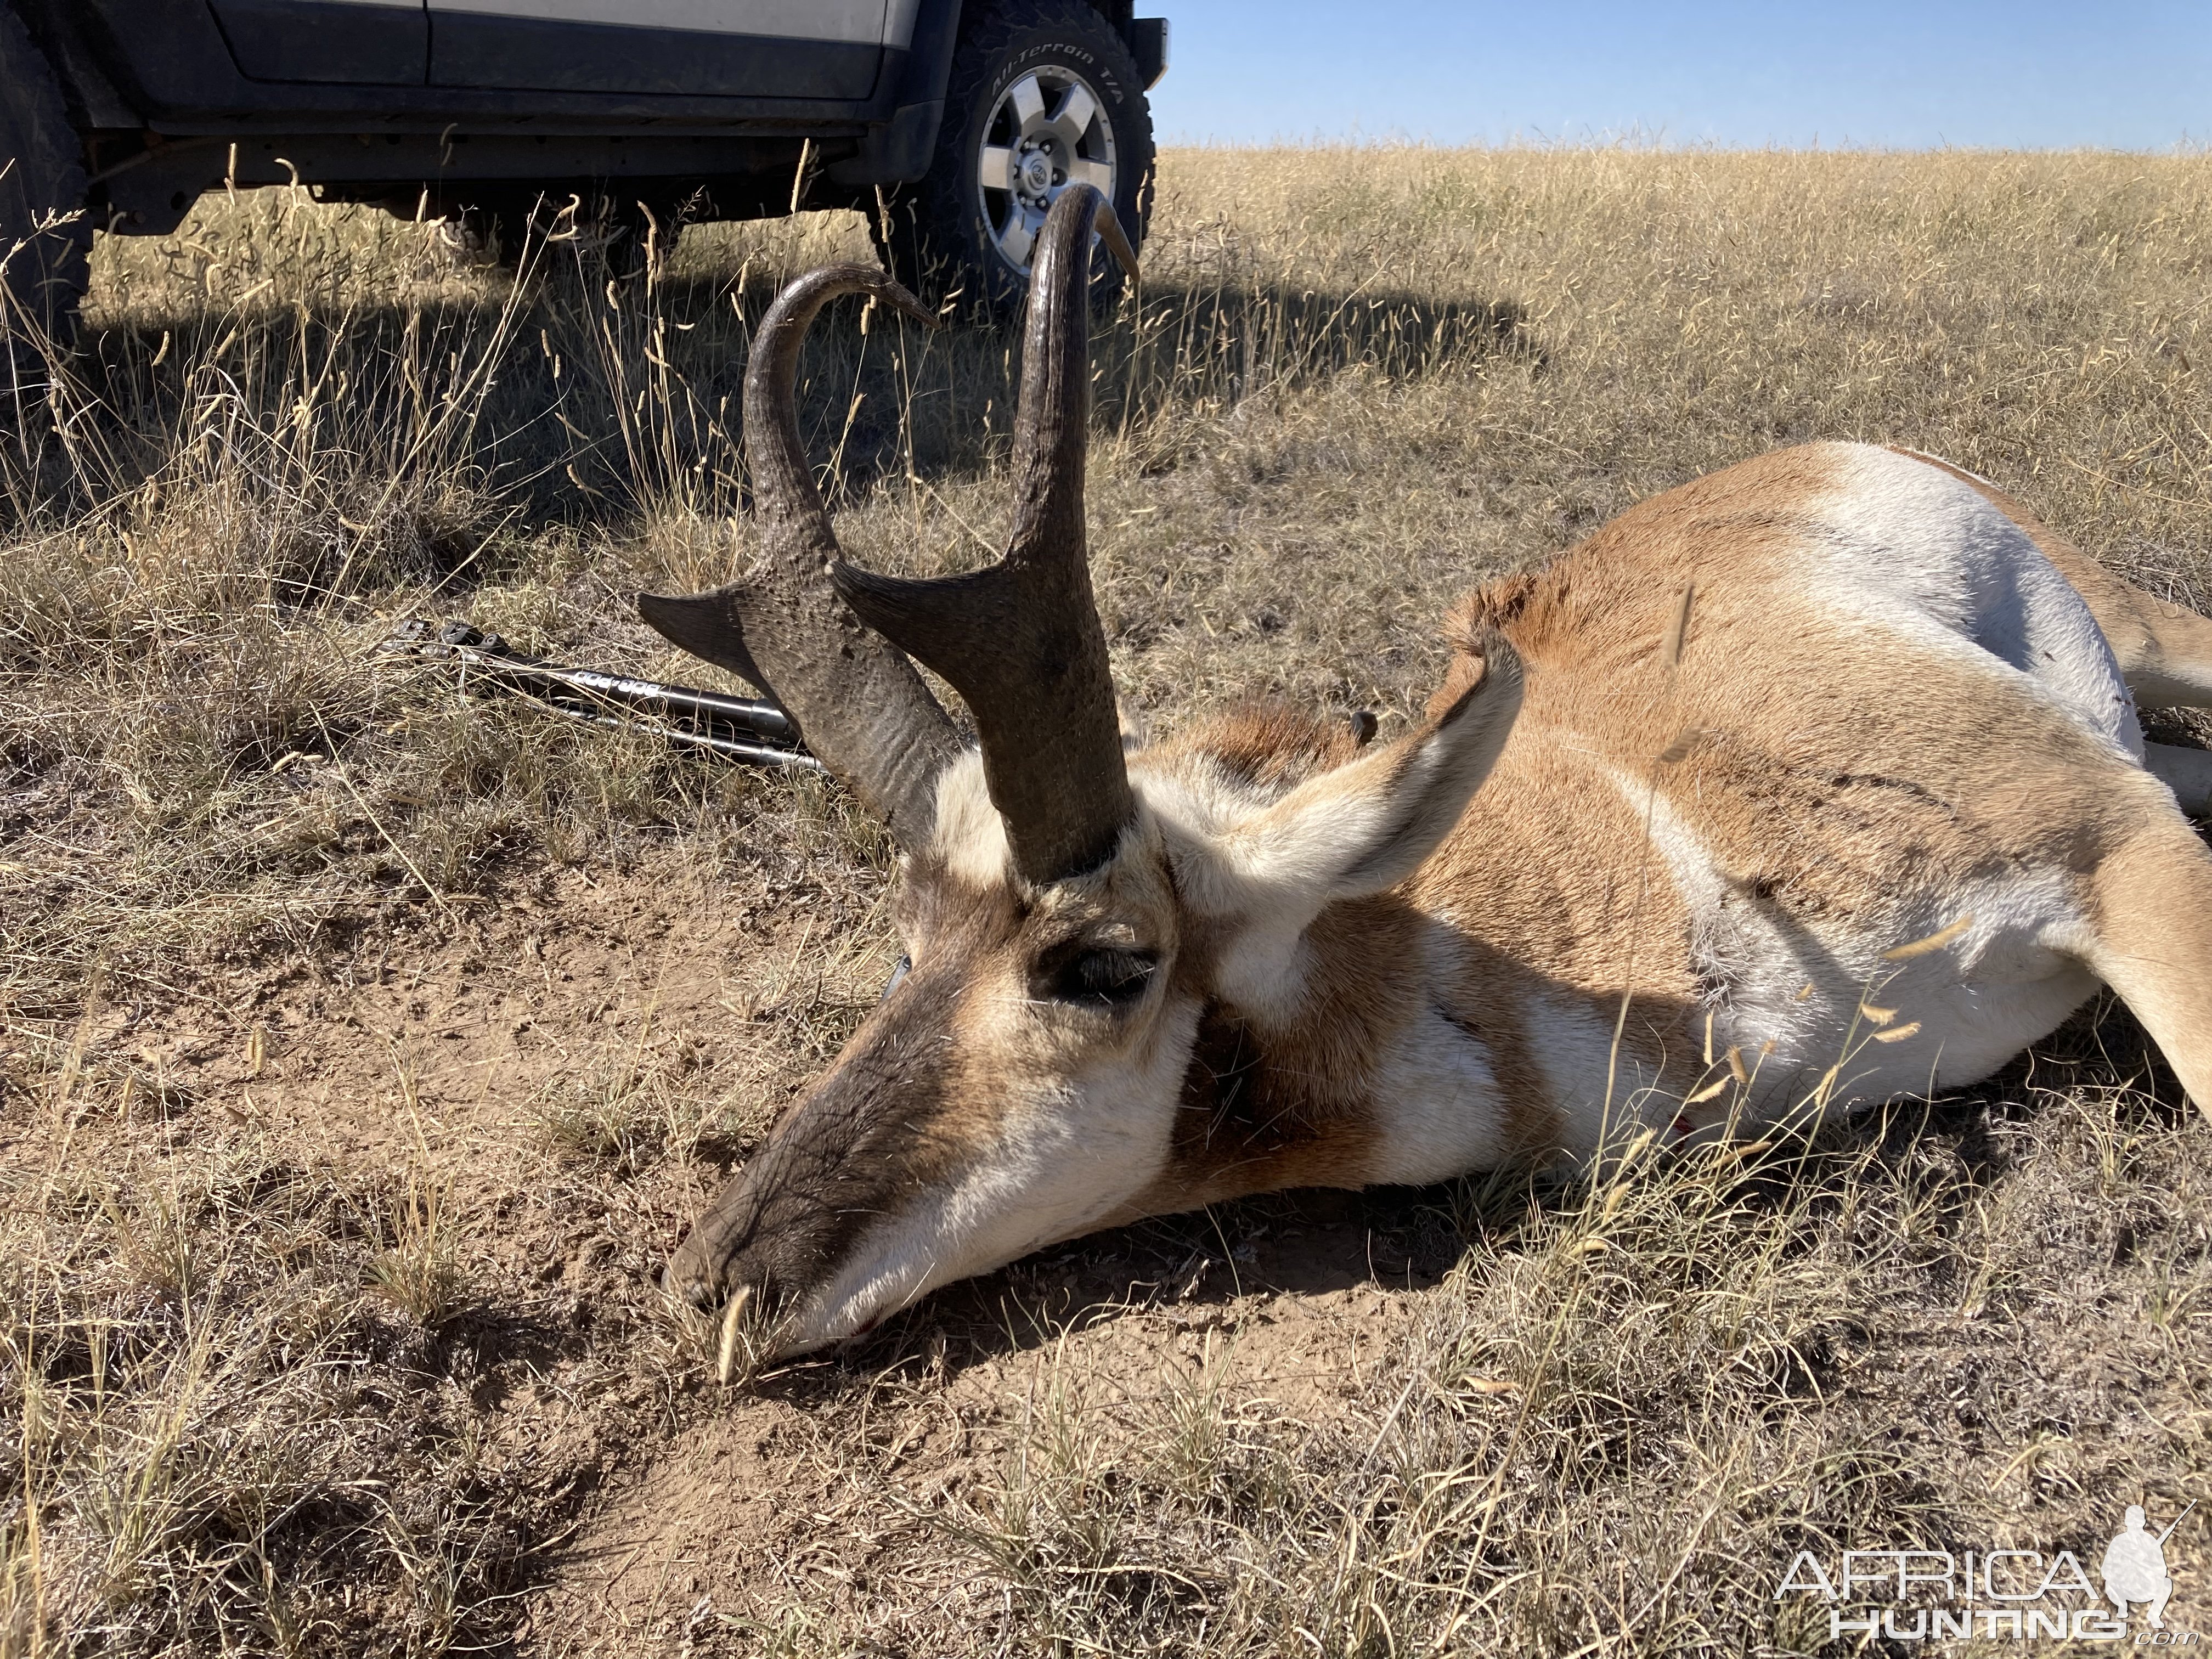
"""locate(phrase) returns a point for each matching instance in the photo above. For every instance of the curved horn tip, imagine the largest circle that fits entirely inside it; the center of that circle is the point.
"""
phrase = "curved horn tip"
(1108, 224)
(900, 298)
(808, 292)
(1105, 223)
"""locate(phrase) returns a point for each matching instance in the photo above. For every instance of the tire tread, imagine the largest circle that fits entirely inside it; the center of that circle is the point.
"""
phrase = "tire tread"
(928, 222)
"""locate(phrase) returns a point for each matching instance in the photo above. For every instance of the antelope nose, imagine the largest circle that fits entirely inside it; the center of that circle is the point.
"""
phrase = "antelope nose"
(682, 1281)
(692, 1274)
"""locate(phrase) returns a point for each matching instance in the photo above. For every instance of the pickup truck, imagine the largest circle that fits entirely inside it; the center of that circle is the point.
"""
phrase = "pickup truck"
(953, 123)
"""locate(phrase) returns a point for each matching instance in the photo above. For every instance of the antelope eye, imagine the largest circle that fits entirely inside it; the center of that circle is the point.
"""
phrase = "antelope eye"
(1102, 977)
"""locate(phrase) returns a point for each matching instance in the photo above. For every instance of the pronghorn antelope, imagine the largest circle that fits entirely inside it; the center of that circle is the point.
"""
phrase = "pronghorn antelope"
(1813, 782)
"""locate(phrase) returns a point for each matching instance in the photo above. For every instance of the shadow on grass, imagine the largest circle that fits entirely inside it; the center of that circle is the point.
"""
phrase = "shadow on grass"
(561, 403)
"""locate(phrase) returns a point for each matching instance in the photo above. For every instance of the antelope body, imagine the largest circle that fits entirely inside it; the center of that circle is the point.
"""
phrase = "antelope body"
(1815, 782)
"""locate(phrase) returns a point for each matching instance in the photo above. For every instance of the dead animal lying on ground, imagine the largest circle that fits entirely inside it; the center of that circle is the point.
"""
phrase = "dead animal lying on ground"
(1812, 783)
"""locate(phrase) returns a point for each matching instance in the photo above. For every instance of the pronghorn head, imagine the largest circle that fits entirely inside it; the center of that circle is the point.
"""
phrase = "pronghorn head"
(1076, 920)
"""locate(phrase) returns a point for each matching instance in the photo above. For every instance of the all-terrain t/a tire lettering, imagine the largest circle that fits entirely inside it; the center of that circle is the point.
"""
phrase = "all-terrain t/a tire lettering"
(1043, 93)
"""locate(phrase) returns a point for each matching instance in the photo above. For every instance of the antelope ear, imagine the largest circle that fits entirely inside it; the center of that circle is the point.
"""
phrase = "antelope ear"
(1368, 825)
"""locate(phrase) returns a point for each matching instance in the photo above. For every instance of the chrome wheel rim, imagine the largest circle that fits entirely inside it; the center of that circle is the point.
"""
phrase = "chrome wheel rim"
(1047, 131)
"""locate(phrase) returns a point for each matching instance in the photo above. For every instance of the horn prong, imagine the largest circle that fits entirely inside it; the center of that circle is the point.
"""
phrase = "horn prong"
(852, 693)
(1021, 640)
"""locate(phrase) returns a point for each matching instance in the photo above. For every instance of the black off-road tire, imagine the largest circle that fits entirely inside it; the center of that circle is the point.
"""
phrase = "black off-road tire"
(938, 236)
(42, 191)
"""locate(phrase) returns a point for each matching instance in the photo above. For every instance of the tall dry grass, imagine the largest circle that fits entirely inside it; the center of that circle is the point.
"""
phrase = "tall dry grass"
(1356, 382)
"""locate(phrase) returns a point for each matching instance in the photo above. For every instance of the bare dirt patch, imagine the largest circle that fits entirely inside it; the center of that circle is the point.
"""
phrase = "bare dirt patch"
(528, 1105)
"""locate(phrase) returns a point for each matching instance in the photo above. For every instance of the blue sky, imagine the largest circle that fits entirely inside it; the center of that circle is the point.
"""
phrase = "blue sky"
(1796, 72)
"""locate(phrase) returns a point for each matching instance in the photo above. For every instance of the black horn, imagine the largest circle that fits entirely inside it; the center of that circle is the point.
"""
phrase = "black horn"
(1021, 640)
(857, 701)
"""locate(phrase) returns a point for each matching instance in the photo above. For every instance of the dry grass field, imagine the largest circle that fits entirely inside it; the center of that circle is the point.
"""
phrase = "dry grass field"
(365, 1049)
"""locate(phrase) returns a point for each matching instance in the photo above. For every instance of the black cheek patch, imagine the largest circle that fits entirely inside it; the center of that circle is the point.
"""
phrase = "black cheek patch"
(1221, 1087)
(1245, 1124)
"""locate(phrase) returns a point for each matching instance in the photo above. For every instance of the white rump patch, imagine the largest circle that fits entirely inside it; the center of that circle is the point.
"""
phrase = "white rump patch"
(1915, 550)
(1797, 1002)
